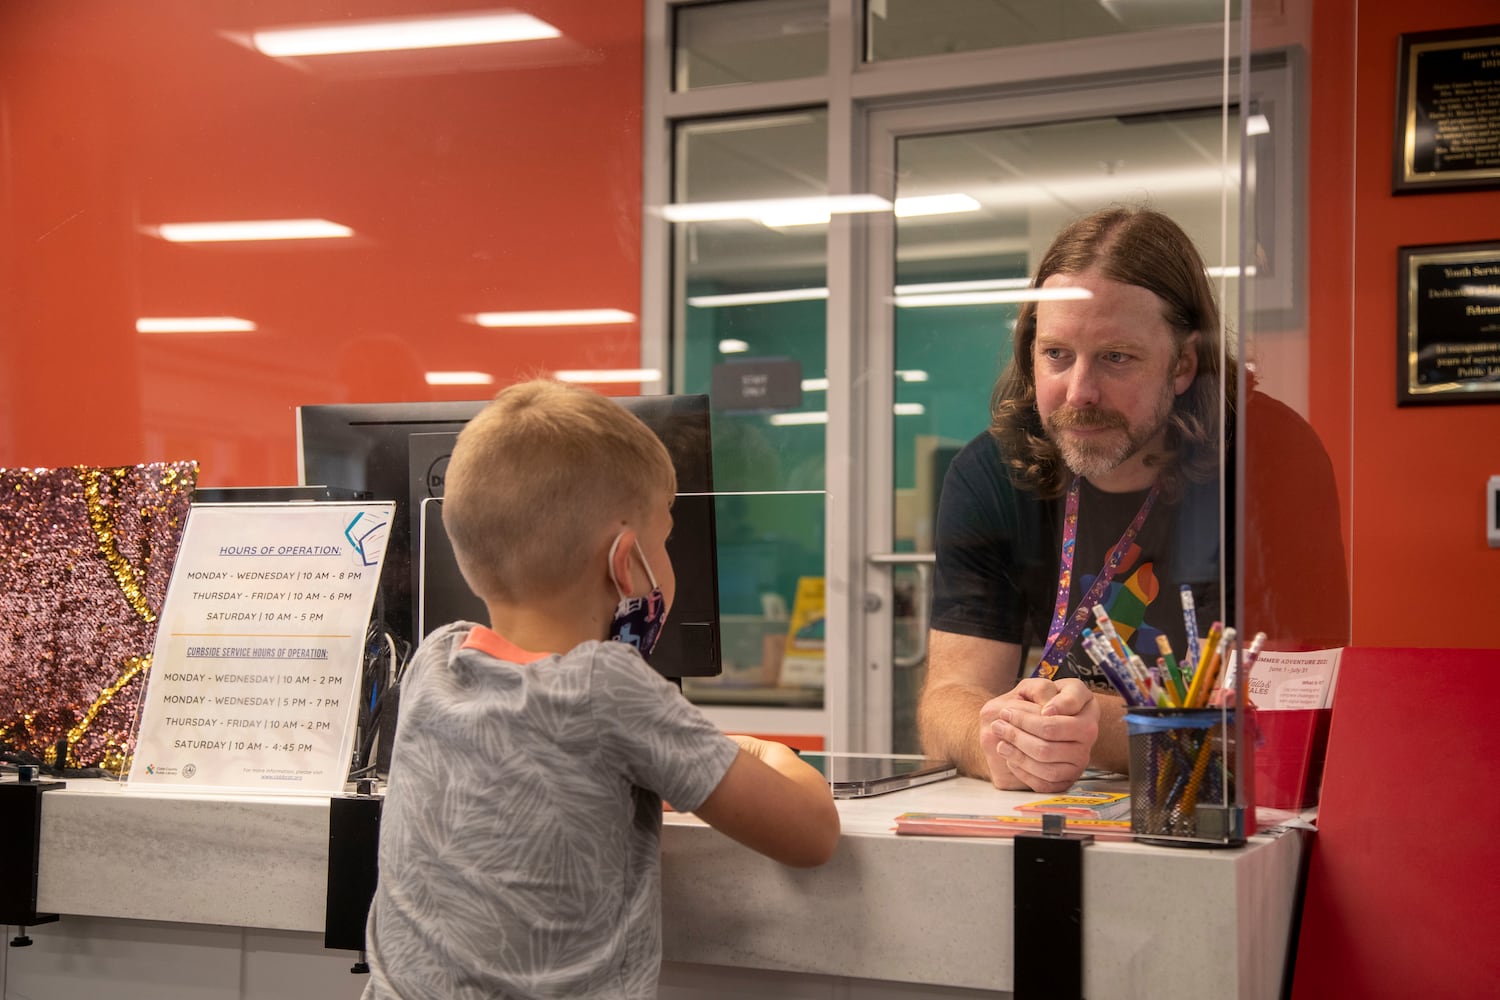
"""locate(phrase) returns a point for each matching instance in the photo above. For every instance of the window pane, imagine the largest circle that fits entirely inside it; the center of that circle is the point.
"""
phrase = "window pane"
(1008, 191)
(901, 29)
(752, 42)
(751, 290)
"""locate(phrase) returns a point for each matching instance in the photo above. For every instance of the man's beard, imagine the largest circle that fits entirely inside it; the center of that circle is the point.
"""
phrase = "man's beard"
(1098, 455)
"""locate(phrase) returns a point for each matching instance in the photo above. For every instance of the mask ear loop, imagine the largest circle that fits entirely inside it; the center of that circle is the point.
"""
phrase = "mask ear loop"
(613, 548)
(649, 575)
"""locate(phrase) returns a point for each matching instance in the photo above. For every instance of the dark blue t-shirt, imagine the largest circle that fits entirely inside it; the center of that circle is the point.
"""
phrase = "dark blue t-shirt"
(998, 559)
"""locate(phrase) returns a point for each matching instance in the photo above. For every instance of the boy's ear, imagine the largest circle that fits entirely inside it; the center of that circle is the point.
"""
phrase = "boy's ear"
(622, 560)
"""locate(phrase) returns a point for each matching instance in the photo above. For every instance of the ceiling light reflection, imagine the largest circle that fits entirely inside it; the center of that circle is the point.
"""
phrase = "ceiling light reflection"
(756, 210)
(249, 230)
(821, 416)
(399, 34)
(998, 296)
(193, 324)
(757, 298)
(935, 204)
(553, 317)
(732, 346)
(459, 378)
(608, 376)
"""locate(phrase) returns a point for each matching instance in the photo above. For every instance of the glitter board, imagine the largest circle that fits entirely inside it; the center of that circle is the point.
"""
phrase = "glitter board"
(85, 557)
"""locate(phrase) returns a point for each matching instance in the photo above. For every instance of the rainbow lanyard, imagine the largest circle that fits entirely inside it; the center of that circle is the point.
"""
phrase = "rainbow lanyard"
(1064, 631)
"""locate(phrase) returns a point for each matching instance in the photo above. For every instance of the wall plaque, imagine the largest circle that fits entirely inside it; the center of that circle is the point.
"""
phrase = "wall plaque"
(1448, 350)
(1448, 110)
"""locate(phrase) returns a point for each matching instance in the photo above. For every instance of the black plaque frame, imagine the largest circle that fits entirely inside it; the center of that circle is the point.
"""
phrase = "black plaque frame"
(1434, 72)
(1448, 343)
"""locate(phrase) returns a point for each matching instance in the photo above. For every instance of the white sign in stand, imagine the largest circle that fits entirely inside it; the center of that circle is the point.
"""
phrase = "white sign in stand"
(255, 676)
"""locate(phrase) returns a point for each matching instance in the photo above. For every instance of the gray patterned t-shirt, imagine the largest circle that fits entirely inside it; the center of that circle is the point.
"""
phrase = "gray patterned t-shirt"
(520, 835)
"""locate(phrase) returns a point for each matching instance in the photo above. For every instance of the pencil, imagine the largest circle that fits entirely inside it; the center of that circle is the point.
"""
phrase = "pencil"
(1107, 626)
(1189, 799)
(1179, 688)
(1190, 623)
(1232, 676)
(1198, 689)
(1216, 663)
(1100, 653)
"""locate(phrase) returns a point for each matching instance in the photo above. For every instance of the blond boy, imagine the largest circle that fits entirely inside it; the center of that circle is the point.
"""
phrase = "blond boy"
(520, 836)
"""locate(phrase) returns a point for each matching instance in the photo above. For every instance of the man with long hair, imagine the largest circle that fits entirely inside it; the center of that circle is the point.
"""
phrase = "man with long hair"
(1098, 481)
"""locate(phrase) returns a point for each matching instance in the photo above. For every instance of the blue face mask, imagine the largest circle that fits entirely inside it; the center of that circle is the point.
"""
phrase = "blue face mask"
(637, 620)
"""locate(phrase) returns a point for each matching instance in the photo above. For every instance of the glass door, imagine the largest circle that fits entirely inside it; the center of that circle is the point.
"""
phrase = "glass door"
(980, 189)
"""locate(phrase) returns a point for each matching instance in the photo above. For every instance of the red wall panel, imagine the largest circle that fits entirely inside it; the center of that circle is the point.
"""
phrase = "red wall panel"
(1417, 474)
(478, 178)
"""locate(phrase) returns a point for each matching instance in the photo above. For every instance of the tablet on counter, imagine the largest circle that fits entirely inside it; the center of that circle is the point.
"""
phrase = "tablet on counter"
(858, 775)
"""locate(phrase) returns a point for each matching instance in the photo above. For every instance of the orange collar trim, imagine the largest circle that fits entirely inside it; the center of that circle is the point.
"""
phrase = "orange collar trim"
(487, 640)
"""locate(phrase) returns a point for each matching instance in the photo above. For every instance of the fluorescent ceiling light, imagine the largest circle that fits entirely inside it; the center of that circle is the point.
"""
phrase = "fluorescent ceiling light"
(608, 376)
(254, 229)
(1230, 272)
(460, 378)
(757, 210)
(401, 33)
(815, 385)
(990, 298)
(755, 298)
(732, 346)
(554, 317)
(1257, 125)
(935, 204)
(911, 374)
(908, 409)
(193, 324)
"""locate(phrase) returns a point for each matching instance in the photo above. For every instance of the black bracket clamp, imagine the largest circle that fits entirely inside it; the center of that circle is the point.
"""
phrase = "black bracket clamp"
(1048, 913)
(353, 867)
(20, 867)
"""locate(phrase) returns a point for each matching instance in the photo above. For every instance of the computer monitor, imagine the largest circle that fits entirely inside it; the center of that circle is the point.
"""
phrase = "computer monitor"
(399, 451)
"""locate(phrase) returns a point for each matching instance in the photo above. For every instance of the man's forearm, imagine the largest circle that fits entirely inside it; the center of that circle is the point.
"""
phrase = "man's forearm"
(1111, 748)
(948, 722)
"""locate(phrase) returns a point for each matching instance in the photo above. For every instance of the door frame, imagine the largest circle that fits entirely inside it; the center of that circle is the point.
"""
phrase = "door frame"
(872, 502)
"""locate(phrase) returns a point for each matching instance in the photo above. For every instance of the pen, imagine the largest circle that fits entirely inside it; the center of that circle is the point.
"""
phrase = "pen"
(1190, 623)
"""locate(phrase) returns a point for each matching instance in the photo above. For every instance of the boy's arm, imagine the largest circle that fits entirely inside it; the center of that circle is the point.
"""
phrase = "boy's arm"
(773, 802)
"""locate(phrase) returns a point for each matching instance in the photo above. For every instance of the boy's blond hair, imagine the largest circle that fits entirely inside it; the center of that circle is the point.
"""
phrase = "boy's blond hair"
(539, 478)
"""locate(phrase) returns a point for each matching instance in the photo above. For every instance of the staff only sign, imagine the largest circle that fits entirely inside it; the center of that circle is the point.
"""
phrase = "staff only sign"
(255, 675)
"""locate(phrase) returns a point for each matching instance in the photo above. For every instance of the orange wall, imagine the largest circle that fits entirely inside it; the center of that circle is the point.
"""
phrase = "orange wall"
(1421, 570)
(486, 178)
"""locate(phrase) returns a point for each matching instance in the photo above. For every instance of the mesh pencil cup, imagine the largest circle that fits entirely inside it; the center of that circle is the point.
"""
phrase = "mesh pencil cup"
(1183, 766)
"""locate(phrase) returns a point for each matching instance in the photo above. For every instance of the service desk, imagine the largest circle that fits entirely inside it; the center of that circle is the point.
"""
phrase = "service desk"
(168, 895)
